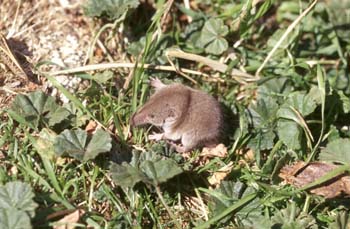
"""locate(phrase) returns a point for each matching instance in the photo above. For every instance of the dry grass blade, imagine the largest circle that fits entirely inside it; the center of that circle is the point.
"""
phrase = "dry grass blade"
(302, 122)
(284, 36)
(216, 65)
(9, 59)
(104, 66)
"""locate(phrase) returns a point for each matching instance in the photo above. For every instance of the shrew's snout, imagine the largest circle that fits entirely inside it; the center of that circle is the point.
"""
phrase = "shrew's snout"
(137, 119)
(132, 120)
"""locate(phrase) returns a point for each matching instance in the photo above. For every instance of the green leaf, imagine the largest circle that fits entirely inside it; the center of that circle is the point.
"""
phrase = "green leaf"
(303, 103)
(71, 142)
(37, 109)
(44, 144)
(262, 141)
(103, 77)
(217, 46)
(12, 218)
(339, 15)
(292, 218)
(57, 115)
(17, 195)
(276, 36)
(136, 47)
(100, 142)
(274, 88)
(77, 144)
(263, 113)
(138, 158)
(212, 36)
(345, 101)
(126, 175)
(78, 118)
(337, 151)
(342, 220)
(112, 9)
(316, 94)
(228, 194)
(290, 133)
(148, 167)
(160, 171)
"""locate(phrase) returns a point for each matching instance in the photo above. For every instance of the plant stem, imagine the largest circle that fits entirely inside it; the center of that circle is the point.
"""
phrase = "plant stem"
(171, 214)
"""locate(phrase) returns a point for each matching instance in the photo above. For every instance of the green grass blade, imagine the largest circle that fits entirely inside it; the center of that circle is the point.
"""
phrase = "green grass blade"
(240, 203)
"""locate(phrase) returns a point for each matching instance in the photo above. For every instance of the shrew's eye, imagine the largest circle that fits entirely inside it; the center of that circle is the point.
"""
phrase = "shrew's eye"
(151, 115)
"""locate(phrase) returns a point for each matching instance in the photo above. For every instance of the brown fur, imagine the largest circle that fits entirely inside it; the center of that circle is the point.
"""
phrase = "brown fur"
(185, 114)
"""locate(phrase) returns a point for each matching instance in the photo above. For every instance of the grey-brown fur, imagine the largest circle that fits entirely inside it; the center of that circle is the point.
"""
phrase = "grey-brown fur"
(185, 114)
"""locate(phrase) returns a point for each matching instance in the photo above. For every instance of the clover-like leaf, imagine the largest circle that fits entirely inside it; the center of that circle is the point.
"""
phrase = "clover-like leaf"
(339, 15)
(290, 133)
(262, 141)
(341, 220)
(274, 88)
(301, 102)
(212, 36)
(103, 77)
(100, 142)
(337, 151)
(78, 118)
(148, 167)
(113, 9)
(37, 109)
(149, 156)
(56, 115)
(44, 144)
(160, 171)
(263, 113)
(17, 195)
(217, 46)
(126, 175)
(275, 38)
(292, 217)
(230, 192)
(14, 219)
(77, 144)
(345, 101)
(136, 47)
(71, 142)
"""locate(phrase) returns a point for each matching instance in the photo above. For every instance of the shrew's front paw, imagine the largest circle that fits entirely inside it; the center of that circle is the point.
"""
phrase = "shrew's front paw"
(156, 83)
(156, 137)
(178, 148)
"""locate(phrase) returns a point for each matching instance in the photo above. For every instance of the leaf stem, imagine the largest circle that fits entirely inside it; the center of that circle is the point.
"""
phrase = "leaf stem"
(322, 87)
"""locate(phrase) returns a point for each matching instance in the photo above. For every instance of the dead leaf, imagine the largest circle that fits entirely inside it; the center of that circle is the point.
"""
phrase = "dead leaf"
(249, 156)
(91, 127)
(13, 171)
(219, 175)
(301, 174)
(206, 154)
(68, 221)
(126, 131)
(218, 151)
